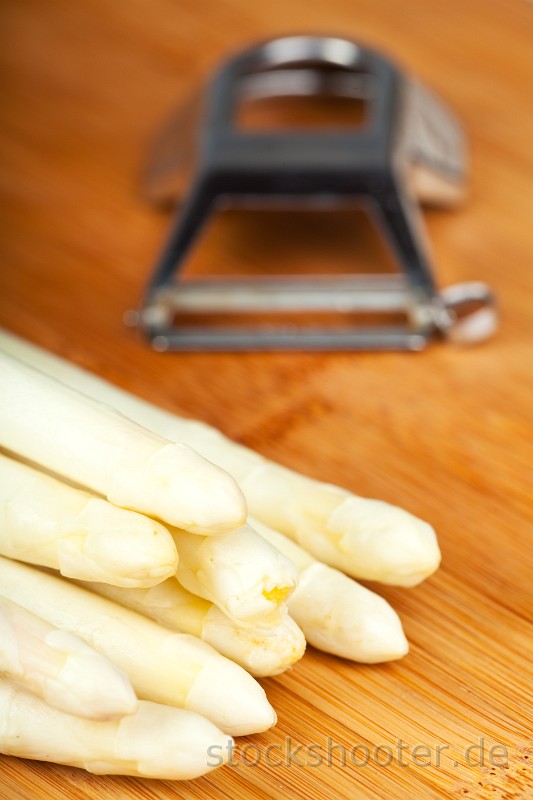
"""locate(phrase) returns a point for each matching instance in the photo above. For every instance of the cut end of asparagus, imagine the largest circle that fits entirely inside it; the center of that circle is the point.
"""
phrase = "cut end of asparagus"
(231, 698)
(241, 573)
(261, 651)
(181, 487)
(341, 617)
(263, 604)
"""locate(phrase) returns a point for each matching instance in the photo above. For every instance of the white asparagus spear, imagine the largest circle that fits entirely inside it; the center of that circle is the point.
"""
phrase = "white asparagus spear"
(95, 446)
(363, 537)
(155, 742)
(60, 667)
(336, 613)
(240, 572)
(261, 651)
(44, 521)
(166, 667)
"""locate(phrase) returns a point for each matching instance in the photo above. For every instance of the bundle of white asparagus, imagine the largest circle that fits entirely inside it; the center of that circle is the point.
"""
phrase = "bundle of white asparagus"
(158, 601)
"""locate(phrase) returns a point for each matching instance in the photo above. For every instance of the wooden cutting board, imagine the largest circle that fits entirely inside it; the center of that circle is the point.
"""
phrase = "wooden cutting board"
(446, 433)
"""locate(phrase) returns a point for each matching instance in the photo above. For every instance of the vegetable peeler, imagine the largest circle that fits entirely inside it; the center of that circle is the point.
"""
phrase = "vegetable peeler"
(409, 150)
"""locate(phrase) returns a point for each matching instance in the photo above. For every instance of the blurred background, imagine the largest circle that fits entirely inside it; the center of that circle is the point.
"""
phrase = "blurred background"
(86, 85)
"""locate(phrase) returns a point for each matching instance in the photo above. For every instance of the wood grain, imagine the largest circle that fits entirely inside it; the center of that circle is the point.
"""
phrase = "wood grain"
(446, 433)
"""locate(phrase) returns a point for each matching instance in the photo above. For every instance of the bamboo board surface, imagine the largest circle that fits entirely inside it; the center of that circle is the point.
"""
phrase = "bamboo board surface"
(446, 433)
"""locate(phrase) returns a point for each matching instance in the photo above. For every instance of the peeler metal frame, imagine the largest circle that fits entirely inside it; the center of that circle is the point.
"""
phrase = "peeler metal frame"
(409, 150)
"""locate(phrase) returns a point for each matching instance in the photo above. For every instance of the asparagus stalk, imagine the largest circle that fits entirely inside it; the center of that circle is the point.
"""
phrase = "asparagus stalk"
(170, 668)
(240, 572)
(93, 445)
(155, 742)
(363, 537)
(60, 668)
(336, 613)
(44, 521)
(261, 651)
